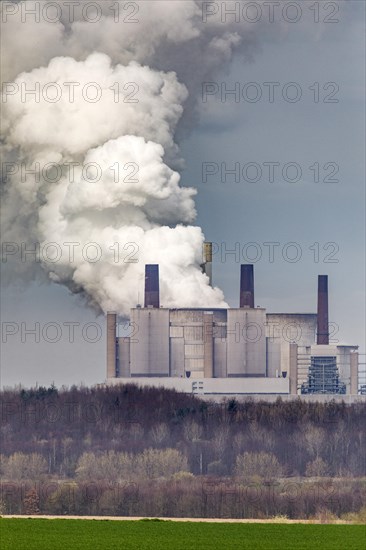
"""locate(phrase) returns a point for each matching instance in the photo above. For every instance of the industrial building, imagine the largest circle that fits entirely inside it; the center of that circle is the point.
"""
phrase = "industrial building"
(236, 351)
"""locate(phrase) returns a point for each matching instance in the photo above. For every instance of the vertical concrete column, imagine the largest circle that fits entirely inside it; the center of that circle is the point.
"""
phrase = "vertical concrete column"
(354, 374)
(208, 345)
(123, 358)
(293, 369)
(111, 344)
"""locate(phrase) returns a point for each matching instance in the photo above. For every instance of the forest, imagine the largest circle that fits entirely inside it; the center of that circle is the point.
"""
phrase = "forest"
(125, 450)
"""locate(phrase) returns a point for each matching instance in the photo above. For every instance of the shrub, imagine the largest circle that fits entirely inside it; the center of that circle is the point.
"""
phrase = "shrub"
(112, 466)
(264, 465)
(153, 463)
(183, 476)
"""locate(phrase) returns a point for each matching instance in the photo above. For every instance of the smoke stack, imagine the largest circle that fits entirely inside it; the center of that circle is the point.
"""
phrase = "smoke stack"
(323, 325)
(207, 260)
(152, 294)
(247, 285)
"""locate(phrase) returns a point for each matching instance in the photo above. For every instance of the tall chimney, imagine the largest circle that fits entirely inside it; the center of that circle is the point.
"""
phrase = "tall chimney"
(207, 260)
(247, 285)
(323, 325)
(111, 344)
(152, 295)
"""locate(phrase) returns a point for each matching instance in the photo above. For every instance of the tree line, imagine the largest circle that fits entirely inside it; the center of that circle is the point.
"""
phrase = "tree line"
(126, 434)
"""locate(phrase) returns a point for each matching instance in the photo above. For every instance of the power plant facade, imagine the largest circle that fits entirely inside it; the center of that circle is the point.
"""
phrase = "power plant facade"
(236, 351)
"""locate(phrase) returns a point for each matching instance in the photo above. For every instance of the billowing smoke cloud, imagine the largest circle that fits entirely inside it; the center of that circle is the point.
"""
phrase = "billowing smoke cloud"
(104, 198)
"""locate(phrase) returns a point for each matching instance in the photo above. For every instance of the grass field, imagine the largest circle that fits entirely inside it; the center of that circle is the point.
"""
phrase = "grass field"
(61, 534)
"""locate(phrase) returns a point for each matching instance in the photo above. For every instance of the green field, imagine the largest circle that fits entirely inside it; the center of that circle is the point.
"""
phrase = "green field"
(61, 534)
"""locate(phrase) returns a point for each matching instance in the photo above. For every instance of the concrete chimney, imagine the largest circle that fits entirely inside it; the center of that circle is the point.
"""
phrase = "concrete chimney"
(207, 260)
(323, 324)
(247, 285)
(152, 294)
(111, 344)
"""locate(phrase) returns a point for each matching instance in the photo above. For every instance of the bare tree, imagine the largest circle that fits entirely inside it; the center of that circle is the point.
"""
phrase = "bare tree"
(317, 468)
(315, 439)
(192, 431)
(159, 433)
(25, 466)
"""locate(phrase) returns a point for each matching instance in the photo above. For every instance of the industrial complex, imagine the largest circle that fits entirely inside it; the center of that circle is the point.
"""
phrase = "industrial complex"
(231, 352)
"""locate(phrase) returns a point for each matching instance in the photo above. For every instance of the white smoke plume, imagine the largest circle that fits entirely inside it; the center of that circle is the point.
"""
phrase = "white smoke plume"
(110, 177)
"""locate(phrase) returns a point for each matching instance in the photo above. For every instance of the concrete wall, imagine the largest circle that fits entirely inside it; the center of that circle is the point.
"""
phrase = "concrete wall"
(273, 357)
(220, 368)
(177, 357)
(189, 324)
(201, 339)
(246, 342)
(283, 329)
(123, 356)
(344, 365)
(299, 328)
(149, 351)
(303, 364)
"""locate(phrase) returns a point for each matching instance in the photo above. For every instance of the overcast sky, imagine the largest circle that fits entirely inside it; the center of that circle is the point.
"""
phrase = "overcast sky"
(325, 219)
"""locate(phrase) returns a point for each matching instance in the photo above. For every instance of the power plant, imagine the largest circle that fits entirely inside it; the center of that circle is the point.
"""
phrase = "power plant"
(236, 351)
